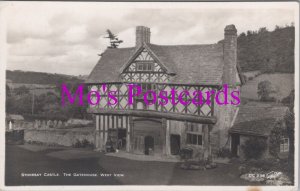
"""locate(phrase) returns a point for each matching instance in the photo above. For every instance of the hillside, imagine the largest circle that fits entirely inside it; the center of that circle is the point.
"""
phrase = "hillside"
(267, 51)
(284, 83)
(25, 77)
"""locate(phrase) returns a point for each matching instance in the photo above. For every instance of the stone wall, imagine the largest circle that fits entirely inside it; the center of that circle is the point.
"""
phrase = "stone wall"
(49, 124)
(62, 137)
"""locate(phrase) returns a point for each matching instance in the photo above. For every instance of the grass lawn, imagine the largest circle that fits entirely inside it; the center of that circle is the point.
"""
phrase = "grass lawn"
(20, 160)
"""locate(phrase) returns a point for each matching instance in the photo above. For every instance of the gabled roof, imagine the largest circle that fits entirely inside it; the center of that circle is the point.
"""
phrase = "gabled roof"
(108, 66)
(153, 55)
(192, 64)
(258, 118)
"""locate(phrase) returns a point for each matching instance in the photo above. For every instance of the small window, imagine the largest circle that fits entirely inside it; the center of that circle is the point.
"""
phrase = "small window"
(193, 139)
(284, 145)
(144, 67)
(150, 68)
(140, 67)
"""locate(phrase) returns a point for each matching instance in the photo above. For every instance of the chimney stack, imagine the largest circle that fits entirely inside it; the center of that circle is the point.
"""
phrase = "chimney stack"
(230, 55)
(142, 35)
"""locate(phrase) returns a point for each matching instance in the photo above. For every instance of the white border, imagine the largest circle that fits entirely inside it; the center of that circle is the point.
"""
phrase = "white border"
(294, 6)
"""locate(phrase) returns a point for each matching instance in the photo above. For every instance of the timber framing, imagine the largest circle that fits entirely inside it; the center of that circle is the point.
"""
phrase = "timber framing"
(218, 87)
(123, 99)
(155, 114)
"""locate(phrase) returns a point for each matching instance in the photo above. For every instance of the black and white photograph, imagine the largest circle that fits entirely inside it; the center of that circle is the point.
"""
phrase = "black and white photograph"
(140, 95)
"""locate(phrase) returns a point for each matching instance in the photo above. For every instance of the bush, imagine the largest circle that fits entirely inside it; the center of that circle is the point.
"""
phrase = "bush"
(224, 153)
(265, 164)
(83, 144)
(186, 153)
(264, 91)
(254, 147)
(32, 117)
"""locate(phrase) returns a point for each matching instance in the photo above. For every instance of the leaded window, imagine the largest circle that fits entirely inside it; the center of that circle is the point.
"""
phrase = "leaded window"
(284, 145)
(193, 138)
(144, 69)
(144, 66)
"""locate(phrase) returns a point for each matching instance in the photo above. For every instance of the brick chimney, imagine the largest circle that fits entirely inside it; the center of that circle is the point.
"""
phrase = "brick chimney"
(142, 35)
(230, 55)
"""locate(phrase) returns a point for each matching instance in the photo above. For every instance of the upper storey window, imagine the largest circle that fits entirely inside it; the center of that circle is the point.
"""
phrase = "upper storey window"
(144, 66)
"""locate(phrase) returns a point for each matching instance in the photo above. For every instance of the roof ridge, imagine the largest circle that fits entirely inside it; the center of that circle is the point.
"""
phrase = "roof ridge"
(120, 48)
(193, 64)
(183, 45)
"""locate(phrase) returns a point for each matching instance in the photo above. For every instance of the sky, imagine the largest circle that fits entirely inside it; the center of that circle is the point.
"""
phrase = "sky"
(66, 37)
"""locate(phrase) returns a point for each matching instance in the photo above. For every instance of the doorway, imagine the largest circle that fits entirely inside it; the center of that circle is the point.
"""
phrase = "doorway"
(149, 145)
(235, 144)
(121, 139)
(175, 144)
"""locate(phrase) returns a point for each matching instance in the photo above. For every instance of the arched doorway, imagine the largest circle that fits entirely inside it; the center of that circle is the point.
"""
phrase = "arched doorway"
(149, 144)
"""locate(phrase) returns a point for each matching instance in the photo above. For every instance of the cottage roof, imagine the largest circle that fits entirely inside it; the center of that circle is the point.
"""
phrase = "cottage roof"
(192, 64)
(258, 118)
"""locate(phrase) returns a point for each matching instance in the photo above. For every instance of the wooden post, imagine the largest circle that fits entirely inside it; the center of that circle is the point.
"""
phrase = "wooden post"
(116, 119)
(97, 133)
(101, 124)
(128, 132)
(206, 141)
(106, 127)
(103, 130)
(131, 123)
(163, 130)
(168, 147)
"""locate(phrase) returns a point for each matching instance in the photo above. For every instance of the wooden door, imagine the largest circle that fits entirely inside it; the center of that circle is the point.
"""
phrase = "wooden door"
(175, 144)
(235, 143)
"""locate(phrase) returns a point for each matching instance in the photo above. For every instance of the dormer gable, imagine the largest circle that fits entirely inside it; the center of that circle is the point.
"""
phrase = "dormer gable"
(143, 55)
(144, 66)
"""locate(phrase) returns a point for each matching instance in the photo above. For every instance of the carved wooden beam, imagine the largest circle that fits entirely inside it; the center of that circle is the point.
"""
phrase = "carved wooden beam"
(156, 114)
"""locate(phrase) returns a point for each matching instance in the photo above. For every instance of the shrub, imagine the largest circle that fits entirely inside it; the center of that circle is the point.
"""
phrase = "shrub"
(186, 153)
(264, 91)
(83, 144)
(32, 117)
(254, 147)
(224, 153)
(265, 164)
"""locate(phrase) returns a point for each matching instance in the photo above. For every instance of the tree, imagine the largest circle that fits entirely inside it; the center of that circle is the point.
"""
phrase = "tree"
(290, 128)
(275, 137)
(21, 90)
(267, 51)
(22, 105)
(262, 30)
(254, 147)
(264, 91)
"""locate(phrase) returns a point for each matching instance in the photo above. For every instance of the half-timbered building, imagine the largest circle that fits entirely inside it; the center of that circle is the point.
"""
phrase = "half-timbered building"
(164, 129)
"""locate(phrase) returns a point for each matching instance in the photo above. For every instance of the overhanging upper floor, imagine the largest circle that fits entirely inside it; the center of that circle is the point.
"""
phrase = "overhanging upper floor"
(177, 102)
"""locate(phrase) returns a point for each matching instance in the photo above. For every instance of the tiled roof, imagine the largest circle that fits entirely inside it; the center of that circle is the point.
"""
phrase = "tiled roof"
(258, 118)
(107, 68)
(193, 64)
